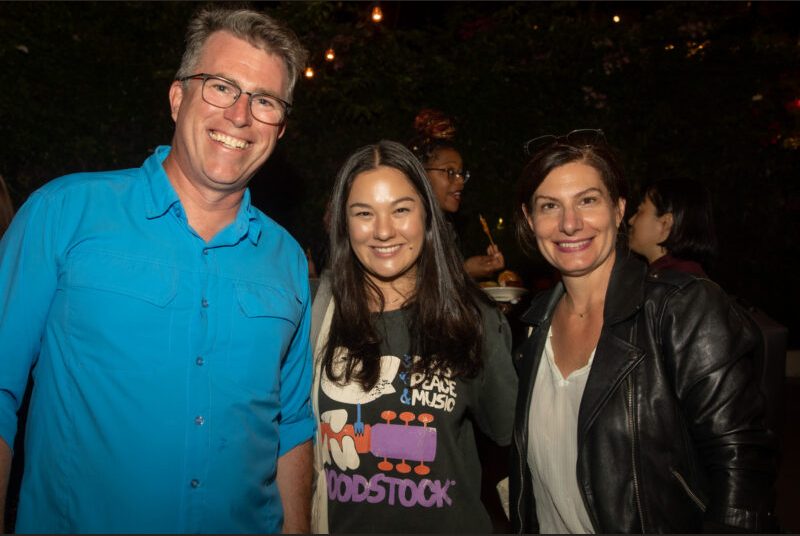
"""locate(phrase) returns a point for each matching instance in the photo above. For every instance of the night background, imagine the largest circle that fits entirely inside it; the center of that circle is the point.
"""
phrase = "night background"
(705, 90)
(709, 91)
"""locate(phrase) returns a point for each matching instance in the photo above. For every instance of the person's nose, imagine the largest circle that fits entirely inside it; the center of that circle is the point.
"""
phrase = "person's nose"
(239, 113)
(571, 221)
(384, 227)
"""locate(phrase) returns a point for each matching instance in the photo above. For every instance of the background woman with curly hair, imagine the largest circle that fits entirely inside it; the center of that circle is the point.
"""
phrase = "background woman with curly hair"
(434, 146)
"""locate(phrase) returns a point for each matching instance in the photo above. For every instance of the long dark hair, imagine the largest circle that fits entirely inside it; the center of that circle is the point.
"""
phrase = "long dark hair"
(445, 325)
(692, 236)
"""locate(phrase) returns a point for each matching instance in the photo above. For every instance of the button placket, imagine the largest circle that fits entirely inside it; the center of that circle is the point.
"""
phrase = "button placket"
(198, 401)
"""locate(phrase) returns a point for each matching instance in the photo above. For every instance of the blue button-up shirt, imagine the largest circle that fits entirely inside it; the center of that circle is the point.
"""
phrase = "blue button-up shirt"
(169, 373)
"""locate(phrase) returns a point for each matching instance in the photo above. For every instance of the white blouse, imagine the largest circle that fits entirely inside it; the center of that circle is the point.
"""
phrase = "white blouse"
(553, 446)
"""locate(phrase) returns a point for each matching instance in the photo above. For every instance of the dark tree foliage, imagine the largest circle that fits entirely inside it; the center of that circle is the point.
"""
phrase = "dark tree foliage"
(708, 90)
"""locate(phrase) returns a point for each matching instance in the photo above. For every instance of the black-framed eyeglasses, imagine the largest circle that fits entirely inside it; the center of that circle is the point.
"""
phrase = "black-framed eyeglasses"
(452, 174)
(576, 138)
(224, 93)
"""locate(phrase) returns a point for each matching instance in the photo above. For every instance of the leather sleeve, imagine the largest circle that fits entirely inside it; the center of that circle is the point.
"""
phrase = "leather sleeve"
(709, 346)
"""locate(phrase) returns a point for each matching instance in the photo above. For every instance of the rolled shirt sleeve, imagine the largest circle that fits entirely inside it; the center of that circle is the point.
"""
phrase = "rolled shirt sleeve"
(297, 423)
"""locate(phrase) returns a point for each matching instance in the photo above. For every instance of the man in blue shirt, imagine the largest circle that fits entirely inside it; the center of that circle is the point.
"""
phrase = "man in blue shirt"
(165, 319)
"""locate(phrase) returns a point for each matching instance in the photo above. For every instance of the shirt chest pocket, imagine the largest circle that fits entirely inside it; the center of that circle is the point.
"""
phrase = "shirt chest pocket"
(119, 311)
(264, 322)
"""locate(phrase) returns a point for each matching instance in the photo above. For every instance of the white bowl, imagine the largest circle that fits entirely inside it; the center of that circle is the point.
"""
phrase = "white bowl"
(505, 294)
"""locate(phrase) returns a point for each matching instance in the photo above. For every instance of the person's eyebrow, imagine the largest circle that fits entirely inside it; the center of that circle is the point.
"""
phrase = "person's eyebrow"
(582, 192)
(256, 91)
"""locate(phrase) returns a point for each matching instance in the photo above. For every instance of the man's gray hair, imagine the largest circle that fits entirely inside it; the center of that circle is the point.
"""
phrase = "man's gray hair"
(256, 28)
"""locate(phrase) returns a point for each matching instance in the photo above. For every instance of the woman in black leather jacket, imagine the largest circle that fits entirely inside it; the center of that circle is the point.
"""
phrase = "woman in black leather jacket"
(638, 406)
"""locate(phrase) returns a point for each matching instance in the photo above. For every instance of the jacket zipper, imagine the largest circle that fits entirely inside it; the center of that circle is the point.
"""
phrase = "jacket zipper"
(633, 454)
(692, 495)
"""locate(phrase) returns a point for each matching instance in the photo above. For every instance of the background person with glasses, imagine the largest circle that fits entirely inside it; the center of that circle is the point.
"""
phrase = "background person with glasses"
(433, 145)
(166, 319)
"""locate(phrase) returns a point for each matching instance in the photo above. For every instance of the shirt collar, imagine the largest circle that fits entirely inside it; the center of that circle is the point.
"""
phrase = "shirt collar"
(247, 222)
(163, 196)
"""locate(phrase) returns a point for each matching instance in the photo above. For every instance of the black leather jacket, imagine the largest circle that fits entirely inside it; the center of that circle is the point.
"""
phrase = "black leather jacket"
(670, 427)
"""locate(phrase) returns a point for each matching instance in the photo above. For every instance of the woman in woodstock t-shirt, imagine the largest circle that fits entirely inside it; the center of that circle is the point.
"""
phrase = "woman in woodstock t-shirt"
(409, 356)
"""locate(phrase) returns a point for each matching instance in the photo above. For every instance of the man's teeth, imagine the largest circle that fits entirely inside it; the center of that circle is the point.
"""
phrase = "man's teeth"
(228, 141)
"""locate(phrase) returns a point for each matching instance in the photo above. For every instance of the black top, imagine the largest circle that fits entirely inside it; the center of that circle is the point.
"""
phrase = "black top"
(402, 458)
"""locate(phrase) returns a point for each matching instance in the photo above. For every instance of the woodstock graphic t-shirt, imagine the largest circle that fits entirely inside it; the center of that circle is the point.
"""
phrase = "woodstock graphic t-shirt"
(402, 457)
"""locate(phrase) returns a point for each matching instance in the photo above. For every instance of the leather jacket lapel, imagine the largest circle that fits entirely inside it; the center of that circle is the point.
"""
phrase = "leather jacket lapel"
(615, 356)
(625, 293)
(613, 361)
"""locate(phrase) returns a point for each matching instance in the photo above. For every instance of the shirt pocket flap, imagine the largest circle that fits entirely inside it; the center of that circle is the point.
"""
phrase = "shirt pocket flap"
(268, 301)
(148, 281)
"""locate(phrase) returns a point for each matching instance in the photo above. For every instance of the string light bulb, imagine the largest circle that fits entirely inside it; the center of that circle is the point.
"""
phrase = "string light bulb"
(377, 14)
(616, 18)
(309, 72)
(330, 54)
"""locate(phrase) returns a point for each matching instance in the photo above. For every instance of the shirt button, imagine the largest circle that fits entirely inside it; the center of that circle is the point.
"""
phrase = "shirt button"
(195, 483)
(199, 420)
(199, 361)
(205, 251)
(204, 303)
